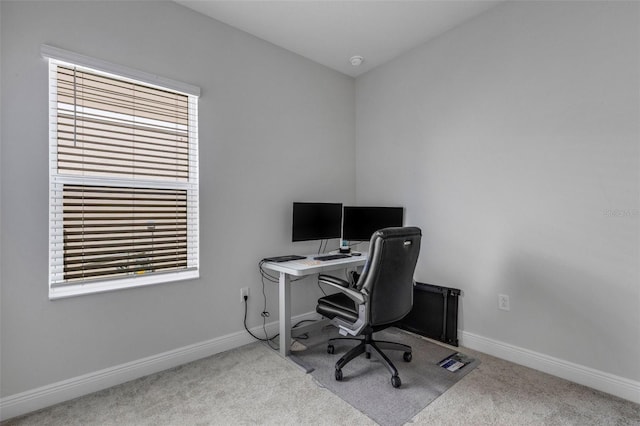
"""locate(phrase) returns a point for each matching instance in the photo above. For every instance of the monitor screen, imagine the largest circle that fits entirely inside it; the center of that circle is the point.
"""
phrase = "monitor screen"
(361, 222)
(316, 221)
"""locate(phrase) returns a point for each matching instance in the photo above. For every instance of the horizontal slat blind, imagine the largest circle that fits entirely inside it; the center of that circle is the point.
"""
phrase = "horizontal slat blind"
(124, 178)
(123, 231)
(110, 127)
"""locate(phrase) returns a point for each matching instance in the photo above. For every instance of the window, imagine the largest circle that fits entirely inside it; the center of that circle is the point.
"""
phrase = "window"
(123, 177)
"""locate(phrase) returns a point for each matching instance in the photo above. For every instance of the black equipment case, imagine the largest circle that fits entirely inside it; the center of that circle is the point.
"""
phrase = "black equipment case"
(434, 314)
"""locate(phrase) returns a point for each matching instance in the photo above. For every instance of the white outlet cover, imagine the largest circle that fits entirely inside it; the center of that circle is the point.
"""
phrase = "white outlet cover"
(503, 302)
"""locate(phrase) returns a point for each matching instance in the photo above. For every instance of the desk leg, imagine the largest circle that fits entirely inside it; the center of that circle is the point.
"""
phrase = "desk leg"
(285, 314)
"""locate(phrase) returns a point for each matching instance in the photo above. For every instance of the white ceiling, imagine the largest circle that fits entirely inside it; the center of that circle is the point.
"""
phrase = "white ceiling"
(332, 31)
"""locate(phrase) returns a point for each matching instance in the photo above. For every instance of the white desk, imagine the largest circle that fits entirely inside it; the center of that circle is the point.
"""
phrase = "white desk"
(300, 268)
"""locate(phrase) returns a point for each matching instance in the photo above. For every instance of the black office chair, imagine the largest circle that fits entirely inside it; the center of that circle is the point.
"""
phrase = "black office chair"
(382, 295)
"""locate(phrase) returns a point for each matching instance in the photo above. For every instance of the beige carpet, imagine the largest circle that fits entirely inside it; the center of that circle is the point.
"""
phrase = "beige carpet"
(253, 385)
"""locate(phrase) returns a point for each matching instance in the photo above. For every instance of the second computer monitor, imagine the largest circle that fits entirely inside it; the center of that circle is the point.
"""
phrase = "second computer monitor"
(359, 223)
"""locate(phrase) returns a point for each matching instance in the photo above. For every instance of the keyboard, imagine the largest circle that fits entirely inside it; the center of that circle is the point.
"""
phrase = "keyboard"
(308, 262)
(332, 257)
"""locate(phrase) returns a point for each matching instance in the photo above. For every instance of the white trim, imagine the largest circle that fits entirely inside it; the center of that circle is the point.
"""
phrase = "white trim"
(61, 178)
(605, 382)
(112, 284)
(58, 54)
(45, 396)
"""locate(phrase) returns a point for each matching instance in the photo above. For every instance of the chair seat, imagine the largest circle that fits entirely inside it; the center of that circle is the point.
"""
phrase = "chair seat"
(339, 305)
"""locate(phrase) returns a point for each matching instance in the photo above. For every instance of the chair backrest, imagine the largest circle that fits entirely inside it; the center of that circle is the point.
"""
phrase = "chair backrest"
(388, 275)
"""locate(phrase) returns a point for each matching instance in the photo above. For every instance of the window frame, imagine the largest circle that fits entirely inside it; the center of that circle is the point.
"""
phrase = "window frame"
(57, 287)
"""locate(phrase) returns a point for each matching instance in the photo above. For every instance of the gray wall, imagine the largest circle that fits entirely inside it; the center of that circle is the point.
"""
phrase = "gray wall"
(274, 128)
(512, 141)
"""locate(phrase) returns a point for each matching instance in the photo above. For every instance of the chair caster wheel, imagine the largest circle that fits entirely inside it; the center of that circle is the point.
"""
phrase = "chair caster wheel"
(407, 356)
(330, 349)
(338, 374)
(395, 381)
(368, 355)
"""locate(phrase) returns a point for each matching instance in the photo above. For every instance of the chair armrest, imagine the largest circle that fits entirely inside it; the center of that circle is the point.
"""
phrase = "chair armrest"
(342, 285)
(333, 280)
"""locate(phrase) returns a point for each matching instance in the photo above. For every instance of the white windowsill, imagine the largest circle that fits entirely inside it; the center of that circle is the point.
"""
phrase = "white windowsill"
(119, 284)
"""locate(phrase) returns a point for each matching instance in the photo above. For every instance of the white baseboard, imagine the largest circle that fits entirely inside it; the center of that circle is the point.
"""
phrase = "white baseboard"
(605, 382)
(45, 396)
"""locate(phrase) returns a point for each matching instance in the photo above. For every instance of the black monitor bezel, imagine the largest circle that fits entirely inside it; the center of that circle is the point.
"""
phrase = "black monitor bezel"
(335, 232)
(360, 236)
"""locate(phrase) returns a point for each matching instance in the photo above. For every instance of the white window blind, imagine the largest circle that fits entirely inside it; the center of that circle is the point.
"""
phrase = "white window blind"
(111, 127)
(124, 181)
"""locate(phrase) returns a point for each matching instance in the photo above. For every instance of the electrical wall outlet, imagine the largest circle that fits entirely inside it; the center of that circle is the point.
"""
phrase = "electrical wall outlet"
(244, 291)
(503, 302)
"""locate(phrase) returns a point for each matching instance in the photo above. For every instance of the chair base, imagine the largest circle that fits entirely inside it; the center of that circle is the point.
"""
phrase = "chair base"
(369, 346)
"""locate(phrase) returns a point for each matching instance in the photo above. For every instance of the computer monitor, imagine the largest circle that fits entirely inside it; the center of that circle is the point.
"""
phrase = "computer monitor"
(359, 223)
(316, 221)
